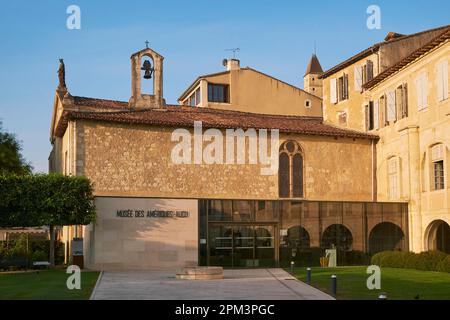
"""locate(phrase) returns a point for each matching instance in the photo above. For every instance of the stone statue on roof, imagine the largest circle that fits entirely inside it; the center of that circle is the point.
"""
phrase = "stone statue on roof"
(62, 75)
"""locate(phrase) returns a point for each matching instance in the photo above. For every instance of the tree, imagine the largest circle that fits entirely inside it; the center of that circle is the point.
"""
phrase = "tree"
(45, 199)
(11, 161)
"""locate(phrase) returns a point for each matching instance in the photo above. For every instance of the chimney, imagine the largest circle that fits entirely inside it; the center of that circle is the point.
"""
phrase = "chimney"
(231, 64)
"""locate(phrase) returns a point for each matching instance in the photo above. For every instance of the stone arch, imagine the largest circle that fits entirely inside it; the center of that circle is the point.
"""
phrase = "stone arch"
(437, 236)
(337, 235)
(386, 236)
(298, 237)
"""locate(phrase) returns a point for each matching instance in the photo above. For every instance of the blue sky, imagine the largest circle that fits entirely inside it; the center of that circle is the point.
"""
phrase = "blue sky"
(276, 37)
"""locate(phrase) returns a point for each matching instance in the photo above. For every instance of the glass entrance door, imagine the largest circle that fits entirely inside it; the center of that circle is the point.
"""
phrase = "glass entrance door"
(241, 246)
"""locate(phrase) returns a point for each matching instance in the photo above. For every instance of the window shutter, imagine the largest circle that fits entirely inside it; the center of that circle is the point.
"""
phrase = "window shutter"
(404, 100)
(391, 106)
(345, 86)
(376, 117)
(419, 92)
(424, 90)
(367, 117)
(358, 78)
(445, 75)
(442, 80)
(333, 96)
(369, 70)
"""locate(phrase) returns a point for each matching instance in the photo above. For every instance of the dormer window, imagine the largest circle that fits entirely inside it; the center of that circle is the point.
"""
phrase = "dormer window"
(218, 93)
(194, 98)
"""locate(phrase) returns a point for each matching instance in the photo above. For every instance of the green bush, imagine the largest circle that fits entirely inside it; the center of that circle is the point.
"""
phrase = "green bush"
(16, 256)
(444, 265)
(428, 261)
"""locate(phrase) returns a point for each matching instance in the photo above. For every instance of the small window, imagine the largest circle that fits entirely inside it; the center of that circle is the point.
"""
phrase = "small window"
(194, 99)
(437, 158)
(218, 93)
(308, 103)
(438, 167)
(342, 88)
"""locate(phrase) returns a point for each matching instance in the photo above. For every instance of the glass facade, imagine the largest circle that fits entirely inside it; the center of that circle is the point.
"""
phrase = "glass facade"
(267, 233)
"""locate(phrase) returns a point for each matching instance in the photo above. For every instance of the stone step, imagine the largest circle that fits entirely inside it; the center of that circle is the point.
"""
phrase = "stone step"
(200, 273)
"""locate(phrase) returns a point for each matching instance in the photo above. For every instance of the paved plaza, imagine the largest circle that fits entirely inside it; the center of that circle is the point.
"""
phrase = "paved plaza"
(238, 284)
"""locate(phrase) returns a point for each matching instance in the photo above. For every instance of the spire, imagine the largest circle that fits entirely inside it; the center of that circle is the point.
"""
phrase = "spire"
(314, 66)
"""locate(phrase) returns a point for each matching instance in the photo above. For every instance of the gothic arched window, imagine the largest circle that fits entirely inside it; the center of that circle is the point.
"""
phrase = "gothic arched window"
(290, 172)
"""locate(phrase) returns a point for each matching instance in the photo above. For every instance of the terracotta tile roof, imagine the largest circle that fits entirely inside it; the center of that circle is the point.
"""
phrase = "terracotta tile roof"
(407, 60)
(184, 116)
(374, 48)
(99, 103)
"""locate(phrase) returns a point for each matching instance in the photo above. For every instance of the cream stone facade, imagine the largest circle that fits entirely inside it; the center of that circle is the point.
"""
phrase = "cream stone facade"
(250, 90)
(406, 103)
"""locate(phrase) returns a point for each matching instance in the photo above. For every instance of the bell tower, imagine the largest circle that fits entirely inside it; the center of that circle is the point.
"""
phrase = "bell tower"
(151, 63)
(311, 81)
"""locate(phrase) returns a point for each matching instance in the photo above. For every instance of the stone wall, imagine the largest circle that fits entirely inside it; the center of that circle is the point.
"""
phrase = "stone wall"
(135, 160)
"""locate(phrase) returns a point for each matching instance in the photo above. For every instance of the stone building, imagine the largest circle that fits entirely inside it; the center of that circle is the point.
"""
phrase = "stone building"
(398, 89)
(192, 183)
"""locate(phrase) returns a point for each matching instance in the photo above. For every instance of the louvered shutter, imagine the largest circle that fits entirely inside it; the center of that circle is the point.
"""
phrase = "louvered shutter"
(369, 69)
(442, 80)
(445, 78)
(404, 100)
(391, 115)
(345, 86)
(376, 117)
(357, 71)
(333, 95)
(367, 117)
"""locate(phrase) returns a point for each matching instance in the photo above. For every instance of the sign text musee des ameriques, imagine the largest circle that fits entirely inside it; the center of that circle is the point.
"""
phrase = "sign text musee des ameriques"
(129, 213)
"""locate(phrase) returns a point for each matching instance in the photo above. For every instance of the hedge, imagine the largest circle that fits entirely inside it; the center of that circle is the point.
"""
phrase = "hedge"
(427, 261)
(45, 199)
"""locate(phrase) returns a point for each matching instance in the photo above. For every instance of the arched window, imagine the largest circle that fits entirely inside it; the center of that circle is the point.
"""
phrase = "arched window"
(290, 174)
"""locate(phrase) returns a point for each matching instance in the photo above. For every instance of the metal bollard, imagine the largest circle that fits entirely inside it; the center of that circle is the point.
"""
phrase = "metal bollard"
(333, 285)
(292, 266)
(308, 275)
(382, 296)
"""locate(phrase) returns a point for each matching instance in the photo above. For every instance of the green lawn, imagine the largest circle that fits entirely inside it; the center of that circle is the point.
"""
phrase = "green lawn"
(403, 284)
(45, 284)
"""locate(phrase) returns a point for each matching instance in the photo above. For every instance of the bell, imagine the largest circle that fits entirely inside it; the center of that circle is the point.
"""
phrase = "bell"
(147, 67)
